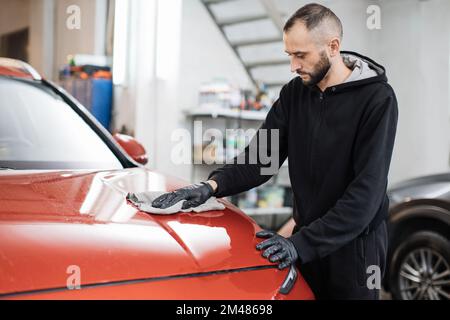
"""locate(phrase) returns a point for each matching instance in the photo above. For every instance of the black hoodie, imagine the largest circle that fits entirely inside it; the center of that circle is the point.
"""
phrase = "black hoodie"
(339, 144)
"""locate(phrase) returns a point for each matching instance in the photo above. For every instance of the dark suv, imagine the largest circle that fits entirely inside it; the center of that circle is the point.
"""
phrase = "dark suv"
(419, 239)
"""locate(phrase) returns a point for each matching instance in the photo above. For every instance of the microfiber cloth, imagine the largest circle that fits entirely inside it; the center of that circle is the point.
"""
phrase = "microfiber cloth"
(143, 201)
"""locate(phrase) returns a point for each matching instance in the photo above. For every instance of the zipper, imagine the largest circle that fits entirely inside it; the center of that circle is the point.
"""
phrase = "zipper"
(322, 104)
(314, 137)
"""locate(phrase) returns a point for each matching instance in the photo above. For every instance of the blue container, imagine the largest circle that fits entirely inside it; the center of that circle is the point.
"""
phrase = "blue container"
(101, 103)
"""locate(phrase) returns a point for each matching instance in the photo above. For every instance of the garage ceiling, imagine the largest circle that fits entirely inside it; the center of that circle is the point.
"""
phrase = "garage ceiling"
(253, 28)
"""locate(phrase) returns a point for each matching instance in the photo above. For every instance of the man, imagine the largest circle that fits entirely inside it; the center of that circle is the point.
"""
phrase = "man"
(336, 123)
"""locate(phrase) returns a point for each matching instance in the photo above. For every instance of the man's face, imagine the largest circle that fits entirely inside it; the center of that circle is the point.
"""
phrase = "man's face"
(308, 59)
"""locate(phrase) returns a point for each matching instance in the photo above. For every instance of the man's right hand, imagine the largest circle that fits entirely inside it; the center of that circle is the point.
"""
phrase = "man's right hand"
(194, 195)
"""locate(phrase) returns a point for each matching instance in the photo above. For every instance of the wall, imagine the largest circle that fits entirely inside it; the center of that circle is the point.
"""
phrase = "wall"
(413, 45)
(204, 56)
(14, 15)
(410, 45)
(41, 48)
(89, 39)
(194, 51)
(50, 40)
(38, 16)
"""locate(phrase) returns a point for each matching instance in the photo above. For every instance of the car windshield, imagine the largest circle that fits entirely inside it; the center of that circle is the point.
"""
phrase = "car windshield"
(38, 130)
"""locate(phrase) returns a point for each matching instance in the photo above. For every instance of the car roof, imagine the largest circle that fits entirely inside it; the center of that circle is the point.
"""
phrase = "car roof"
(17, 69)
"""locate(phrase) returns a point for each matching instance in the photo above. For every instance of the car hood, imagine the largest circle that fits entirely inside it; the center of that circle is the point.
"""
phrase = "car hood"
(58, 225)
(427, 187)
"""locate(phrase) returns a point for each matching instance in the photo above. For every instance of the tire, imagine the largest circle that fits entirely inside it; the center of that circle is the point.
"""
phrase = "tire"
(420, 268)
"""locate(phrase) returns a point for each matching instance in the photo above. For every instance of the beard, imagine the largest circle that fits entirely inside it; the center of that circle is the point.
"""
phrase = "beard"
(320, 70)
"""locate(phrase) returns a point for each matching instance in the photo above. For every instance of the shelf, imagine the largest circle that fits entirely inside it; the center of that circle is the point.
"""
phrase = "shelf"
(227, 113)
(266, 211)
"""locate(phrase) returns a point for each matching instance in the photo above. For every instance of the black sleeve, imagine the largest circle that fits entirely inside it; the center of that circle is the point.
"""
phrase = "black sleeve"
(363, 197)
(254, 166)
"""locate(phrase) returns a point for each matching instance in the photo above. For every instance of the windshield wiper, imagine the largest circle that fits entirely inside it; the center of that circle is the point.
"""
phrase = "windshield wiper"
(7, 168)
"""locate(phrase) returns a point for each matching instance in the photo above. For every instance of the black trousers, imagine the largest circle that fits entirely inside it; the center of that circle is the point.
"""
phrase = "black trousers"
(344, 273)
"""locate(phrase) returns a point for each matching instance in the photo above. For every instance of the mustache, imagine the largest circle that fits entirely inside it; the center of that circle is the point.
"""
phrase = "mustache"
(302, 73)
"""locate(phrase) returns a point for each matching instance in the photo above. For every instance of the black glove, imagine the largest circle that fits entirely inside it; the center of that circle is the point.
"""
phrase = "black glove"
(195, 195)
(277, 249)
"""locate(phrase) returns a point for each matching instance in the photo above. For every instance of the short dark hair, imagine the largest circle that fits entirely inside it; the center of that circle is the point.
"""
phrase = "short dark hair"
(312, 15)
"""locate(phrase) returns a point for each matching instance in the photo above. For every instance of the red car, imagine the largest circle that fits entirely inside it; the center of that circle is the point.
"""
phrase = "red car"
(67, 232)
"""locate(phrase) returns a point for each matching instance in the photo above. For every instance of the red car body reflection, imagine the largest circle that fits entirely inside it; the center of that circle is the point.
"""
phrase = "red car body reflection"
(52, 220)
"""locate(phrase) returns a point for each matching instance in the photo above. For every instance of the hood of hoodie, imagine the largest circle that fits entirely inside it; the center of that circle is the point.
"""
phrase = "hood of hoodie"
(364, 71)
(361, 68)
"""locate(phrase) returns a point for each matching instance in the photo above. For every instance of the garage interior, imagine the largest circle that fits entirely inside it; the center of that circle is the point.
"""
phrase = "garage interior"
(161, 66)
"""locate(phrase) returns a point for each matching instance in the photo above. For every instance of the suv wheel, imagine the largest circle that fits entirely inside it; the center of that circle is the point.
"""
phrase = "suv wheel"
(421, 268)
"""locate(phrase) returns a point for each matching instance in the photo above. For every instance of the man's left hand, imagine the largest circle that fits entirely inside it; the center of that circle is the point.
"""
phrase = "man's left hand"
(277, 249)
